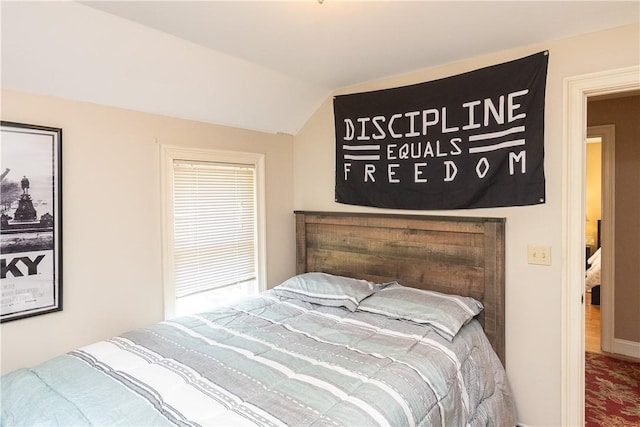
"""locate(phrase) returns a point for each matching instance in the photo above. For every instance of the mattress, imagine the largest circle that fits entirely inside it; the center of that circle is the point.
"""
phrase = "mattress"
(274, 359)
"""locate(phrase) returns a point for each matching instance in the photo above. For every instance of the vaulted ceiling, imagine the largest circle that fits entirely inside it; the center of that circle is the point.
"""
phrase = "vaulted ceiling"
(264, 65)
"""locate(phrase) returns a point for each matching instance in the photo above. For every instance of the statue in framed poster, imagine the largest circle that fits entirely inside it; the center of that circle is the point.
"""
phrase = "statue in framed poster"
(30, 220)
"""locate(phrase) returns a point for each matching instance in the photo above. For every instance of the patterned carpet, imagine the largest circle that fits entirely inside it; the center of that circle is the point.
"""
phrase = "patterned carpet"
(612, 392)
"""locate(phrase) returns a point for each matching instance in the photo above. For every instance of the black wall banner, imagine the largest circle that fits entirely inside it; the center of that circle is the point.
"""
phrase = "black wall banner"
(472, 140)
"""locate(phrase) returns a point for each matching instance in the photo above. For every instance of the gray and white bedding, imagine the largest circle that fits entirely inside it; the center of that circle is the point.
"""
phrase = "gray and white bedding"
(593, 276)
(277, 359)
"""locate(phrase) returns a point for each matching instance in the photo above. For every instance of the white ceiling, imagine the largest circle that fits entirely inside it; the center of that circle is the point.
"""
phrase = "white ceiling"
(264, 65)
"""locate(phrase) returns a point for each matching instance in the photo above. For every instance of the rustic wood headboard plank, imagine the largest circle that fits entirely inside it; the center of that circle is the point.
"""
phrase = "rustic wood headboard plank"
(460, 255)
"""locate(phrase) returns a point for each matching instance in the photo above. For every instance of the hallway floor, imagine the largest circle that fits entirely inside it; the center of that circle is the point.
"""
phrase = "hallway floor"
(591, 326)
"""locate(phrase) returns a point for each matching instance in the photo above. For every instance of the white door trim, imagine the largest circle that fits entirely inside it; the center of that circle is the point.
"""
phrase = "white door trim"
(576, 91)
(607, 133)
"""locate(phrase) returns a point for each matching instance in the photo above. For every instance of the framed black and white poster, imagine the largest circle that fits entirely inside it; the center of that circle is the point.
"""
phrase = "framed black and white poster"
(473, 140)
(30, 220)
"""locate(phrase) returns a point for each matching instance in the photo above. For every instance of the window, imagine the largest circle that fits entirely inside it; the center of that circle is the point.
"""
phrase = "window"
(213, 227)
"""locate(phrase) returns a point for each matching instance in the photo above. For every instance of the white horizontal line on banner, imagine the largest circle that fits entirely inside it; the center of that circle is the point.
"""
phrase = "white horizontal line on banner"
(483, 136)
(494, 147)
(360, 147)
(351, 157)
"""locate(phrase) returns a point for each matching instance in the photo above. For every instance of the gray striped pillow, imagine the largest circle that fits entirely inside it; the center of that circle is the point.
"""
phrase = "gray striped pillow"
(326, 289)
(444, 312)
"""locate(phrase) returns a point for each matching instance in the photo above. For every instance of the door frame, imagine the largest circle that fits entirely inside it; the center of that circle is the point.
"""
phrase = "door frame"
(575, 93)
(607, 134)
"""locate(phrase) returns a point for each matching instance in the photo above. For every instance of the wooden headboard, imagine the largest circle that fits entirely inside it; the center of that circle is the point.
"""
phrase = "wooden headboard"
(457, 255)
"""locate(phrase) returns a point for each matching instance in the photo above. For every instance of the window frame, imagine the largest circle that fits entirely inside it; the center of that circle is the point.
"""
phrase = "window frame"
(169, 153)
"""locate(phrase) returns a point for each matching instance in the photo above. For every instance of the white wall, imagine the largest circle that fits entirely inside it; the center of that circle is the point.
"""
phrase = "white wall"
(111, 218)
(70, 50)
(533, 294)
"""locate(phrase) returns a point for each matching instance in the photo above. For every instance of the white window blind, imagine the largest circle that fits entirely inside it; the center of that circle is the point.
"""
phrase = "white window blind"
(214, 226)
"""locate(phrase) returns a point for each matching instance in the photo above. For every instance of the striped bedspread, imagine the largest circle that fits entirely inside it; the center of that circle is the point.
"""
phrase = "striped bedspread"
(269, 361)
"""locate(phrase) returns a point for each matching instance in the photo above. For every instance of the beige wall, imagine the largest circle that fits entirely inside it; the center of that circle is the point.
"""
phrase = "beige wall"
(624, 114)
(111, 218)
(533, 294)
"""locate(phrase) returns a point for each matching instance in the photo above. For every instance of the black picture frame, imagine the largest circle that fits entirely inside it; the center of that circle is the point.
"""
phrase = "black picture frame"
(30, 220)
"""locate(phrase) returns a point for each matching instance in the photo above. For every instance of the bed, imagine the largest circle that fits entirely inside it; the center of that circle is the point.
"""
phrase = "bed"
(593, 274)
(354, 338)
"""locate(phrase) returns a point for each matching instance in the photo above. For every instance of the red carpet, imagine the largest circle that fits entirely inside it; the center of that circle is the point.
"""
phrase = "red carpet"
(612, 392)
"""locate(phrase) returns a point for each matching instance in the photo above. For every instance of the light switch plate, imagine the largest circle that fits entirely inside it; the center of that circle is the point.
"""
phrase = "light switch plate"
(539, 255)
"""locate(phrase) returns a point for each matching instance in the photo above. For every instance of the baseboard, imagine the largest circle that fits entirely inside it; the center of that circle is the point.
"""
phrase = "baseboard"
(626, 348)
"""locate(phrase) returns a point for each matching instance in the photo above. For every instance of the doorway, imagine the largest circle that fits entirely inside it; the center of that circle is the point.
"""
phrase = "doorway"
(593, 250)
(602, 232)
(577, 90)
